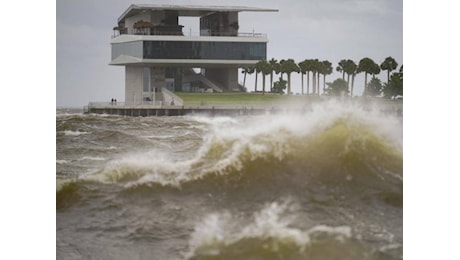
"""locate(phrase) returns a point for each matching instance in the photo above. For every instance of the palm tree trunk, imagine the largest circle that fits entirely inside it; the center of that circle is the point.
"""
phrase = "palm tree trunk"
(388, 77)
(352, 83)
(365, 82)
(313, 88)
(308, 82)
(317, 83)
(289, 83)
(263, 83)
(324, 83)
(271, 81)
(348, 82)
(244, 79)
(302, 82)
(255, 86)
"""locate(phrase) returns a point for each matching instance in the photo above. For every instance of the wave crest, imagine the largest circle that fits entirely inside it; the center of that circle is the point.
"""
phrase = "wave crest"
(270, 235)
(336, 146)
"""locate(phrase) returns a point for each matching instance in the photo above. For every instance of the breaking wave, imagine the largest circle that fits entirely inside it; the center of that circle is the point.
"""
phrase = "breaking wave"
(211, 187)
(270, 234)
(330, 145)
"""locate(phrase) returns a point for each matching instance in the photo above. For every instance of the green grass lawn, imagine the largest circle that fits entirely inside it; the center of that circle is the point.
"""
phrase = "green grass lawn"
(238, 98)
(263, 100)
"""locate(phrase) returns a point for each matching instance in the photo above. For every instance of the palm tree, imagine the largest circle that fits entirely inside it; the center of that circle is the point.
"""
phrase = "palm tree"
(275, 68)
(258, 69)
(303, 69)
(350, 68)
(247, 70)
(314, 70)
(288, 67)
(265, 68)
(367, 65)
(326, 70)
(309, 67)
(319, 69)
(281, 67)
(375, 70)
(353, 80)
(251, 70)
(341, 67)
(389, 64)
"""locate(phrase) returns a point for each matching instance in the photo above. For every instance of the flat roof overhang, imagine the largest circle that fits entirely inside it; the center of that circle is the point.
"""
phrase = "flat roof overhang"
(124, 60)
(188, 10)
(132, 38)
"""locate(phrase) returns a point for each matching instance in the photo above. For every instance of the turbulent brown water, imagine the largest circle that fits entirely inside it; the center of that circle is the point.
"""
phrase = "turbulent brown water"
(325, 184)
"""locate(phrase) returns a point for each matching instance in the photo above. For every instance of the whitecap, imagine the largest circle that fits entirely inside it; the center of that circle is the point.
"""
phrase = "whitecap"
(62, 161)
(90, 158)
(74, 133)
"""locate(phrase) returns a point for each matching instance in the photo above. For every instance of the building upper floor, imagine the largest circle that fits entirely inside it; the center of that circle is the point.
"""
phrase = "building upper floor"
(151, 34)
(179, 50)
(158, 19)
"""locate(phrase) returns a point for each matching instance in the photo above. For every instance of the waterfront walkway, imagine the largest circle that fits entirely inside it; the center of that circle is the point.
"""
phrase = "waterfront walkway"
(211, 109)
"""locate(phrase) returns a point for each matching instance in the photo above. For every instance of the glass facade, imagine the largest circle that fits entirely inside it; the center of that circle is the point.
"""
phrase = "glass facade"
(204, 50)
(127, 48)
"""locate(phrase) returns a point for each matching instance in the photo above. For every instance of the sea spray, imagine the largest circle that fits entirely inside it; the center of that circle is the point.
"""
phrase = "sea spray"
(331, 135)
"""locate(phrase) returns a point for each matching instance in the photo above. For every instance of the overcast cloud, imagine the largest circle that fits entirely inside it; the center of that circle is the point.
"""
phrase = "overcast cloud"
(324, 29)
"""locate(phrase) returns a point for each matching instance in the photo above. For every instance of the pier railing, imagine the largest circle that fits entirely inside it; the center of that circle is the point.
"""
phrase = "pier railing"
(198, 105)
(108, 104)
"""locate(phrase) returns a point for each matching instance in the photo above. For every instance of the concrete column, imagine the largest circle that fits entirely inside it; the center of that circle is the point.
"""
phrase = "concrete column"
(133, 84)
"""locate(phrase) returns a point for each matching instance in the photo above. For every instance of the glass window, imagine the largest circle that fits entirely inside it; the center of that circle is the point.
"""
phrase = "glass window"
(205, 50)
(146, 79)
(127, 48)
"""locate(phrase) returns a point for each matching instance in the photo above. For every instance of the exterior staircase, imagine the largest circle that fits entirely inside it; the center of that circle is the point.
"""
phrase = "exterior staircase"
(171, 99)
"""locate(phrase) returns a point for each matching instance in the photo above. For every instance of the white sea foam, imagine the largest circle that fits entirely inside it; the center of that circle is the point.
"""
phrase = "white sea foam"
(74, 133)
(271, 222)
(214, 120)
(91, 158)
(62, 161)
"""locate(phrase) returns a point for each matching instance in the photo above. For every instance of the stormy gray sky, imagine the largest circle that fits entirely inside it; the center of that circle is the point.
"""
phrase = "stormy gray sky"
(324, 29)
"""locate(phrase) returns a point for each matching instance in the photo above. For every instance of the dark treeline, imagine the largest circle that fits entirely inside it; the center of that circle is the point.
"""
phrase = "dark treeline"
(320, 69)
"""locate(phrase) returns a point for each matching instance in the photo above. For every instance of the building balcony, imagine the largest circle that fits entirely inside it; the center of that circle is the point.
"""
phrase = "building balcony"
(177, 31)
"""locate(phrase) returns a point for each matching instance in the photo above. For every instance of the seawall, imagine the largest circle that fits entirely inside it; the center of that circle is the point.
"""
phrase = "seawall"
(177, 111)
(144, 111)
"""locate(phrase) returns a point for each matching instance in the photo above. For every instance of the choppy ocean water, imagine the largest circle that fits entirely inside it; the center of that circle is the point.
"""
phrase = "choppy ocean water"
(325, 184)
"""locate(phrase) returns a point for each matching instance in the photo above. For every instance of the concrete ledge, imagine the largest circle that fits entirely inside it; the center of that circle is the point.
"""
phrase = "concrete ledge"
(177, 111)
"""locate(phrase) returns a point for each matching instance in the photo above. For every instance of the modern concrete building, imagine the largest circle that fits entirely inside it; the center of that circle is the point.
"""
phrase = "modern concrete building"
(159, 58)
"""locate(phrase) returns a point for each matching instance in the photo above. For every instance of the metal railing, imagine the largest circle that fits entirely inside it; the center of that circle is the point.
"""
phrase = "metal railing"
(108, 104)
(197, 104)
(197, 34)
